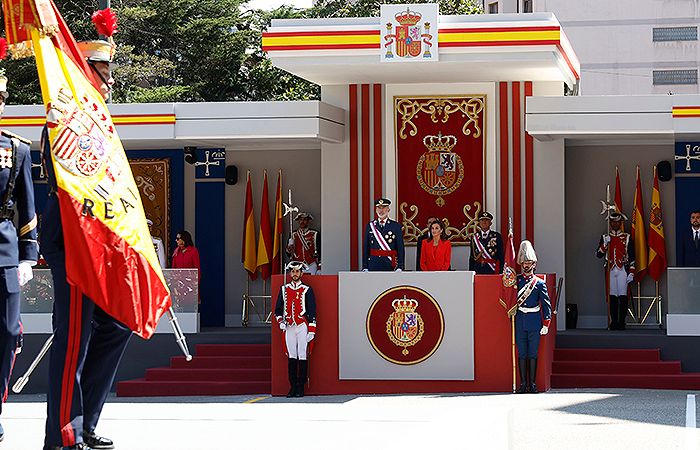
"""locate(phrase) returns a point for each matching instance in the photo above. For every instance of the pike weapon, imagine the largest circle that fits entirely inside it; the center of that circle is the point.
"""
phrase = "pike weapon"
(289, 209)
(24, 379)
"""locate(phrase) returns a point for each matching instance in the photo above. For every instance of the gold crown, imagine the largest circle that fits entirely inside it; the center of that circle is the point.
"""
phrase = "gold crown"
(404, 304)
(408, 17)
(439, 143)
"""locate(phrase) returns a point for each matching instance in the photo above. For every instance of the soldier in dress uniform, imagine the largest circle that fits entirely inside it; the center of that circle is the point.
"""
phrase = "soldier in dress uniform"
(295, 311)
(19, 249)
(617, 249)
(383, 249)
(486, 256)
(532, 318)
(157, 245)
(305, 244)
(88, 343)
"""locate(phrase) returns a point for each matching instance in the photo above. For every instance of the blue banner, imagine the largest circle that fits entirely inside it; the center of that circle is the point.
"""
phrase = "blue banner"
(687, 157)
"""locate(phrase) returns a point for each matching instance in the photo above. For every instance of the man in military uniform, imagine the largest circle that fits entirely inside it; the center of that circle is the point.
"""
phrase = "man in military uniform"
(19, 249)
(295, 311)
(486, 256)
(305, 244)
(617, 249)
(383, 249)
(532, 317)
(88, 343)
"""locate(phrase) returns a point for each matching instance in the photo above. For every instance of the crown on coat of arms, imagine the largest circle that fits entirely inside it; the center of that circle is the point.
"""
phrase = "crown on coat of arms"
(408, 17)
(404, 304)
(439, 143)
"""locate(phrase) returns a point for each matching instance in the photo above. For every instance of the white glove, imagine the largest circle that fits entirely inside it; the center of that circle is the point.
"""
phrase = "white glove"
(544, 330)
(398, 270)
(365, 270)
(630, 278)
(24, 272)
(606, 240)
(290, 242)
(310, 337)
(283, 326)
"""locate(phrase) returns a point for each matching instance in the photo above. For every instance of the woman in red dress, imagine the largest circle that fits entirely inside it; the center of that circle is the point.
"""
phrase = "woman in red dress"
(186, 255)
(436, 252)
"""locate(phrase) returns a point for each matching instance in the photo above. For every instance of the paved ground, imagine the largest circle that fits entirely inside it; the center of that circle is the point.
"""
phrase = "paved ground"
(598, 419)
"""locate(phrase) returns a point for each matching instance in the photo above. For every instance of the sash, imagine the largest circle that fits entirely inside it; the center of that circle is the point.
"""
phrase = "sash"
(302, 238)
(485, 253)
(383, 243)
(525, 291)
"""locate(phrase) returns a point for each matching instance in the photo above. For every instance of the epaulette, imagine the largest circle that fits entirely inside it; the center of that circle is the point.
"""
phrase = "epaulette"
(10, 135)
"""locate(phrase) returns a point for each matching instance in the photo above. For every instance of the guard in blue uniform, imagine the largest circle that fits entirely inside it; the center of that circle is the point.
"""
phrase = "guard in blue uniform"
(486, 256)
(19, 249)
(88, 343)
(532, 318)
(382, 249)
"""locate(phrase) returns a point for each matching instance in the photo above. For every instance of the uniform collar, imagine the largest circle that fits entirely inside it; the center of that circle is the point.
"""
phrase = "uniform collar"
(484, 233)
(295, 284)
(616, 233)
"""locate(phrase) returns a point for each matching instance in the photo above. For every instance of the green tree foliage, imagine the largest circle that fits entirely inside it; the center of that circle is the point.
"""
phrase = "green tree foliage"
(197, 50)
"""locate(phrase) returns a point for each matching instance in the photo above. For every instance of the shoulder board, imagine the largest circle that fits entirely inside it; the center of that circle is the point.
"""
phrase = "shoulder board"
(10, 135)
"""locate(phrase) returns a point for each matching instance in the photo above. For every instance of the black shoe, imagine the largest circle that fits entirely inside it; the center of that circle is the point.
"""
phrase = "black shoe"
(292, 391)
(300, 390)
(522, 389)
(80, 446)
(2, 433)
(533, 389)
(97, 442)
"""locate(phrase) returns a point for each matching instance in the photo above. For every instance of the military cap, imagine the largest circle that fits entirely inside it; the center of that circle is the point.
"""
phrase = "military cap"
(616, 216)
(526, 252)
(304, 215)
(485, 215)
(382, 202)
(296, 265)
(97, 50)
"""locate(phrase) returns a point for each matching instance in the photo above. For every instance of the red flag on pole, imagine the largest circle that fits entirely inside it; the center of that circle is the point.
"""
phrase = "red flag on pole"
(618, 194)
(657, 240)
(277, 239)
(248, 254)
(509, 289)
(639, 232)
(265, 237)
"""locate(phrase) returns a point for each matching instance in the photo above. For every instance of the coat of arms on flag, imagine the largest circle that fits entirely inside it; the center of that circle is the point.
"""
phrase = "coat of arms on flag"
(406, 32)
(440, 171)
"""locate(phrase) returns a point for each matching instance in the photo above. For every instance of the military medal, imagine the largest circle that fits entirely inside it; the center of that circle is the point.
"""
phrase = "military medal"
(5, 158)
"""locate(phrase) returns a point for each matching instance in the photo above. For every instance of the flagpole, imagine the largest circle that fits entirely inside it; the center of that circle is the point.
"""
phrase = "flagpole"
(607, 263)
(512, 340)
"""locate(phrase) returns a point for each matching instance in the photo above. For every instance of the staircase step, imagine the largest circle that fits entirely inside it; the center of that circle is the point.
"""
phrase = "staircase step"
(221, 362)
(605, 354)
(143, 388)
(683, 381)
(233, 350)
(193, 374)
(616, 367)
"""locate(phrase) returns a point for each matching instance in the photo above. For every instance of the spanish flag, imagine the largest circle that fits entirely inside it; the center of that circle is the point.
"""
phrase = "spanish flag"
(277, 239)
(265, 237)
(509, 289)
(248, 251)
(109, 252)
(639, 232)
(657, 240)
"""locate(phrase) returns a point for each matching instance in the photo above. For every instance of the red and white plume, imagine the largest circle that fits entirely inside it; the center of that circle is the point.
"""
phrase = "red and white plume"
(105, 21)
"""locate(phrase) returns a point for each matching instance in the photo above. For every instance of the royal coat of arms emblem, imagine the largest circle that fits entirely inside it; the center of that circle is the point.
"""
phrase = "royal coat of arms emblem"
(405, 326)
(439, 170)
(407, 35)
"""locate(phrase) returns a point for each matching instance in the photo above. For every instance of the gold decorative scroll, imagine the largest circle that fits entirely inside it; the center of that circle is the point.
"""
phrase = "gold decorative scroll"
(440, 110)
(152, 176)
(462, 235)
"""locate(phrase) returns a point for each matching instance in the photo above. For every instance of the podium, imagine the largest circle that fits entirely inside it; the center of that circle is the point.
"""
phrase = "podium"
(356, 328)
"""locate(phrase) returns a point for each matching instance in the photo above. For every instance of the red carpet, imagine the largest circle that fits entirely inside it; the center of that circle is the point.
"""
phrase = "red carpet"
(216, 369)
(618, 368)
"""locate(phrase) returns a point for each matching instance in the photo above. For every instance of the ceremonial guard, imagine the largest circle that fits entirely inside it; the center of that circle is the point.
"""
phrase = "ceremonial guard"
(486, 256)
(157, 245)
(383, 249)
(88, 343)
(19, 249)
(618, 250)
(532, 318)
(305, 244)
(295, 311)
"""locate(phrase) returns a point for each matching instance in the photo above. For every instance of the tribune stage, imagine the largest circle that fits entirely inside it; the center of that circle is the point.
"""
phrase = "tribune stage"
(472, 354)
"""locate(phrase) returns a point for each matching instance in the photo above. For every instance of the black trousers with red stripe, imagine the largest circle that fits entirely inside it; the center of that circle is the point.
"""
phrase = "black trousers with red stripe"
(10, 327)
(88, 345)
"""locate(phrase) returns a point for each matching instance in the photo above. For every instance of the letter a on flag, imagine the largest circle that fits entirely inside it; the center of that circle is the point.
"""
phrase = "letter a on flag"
(109, 252)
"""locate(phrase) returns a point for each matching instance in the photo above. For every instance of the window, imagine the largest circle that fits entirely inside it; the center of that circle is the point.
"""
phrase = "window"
(527, 6)
(683, 76)
(493, 8)
(667, 34)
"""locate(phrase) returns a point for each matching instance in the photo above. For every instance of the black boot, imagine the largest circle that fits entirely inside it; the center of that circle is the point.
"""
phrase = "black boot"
(522, 370)
(292, 365)
(614, 311)
(303, 374)
(532, 368)
(622, 314)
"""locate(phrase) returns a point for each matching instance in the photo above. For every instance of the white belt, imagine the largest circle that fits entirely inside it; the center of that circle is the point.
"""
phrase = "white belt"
(526, 310)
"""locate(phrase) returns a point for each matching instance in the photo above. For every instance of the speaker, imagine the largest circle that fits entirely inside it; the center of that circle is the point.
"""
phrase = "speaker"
(663, 168)
(231, 175)
(190, 155)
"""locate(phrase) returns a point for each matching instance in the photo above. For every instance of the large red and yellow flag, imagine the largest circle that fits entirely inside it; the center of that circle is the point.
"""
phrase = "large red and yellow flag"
(265, 237)
(277, 239)
(618, 194)
(248, 251)
(109, 252)
(509, 288)
(657, 240)
(639, 232)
